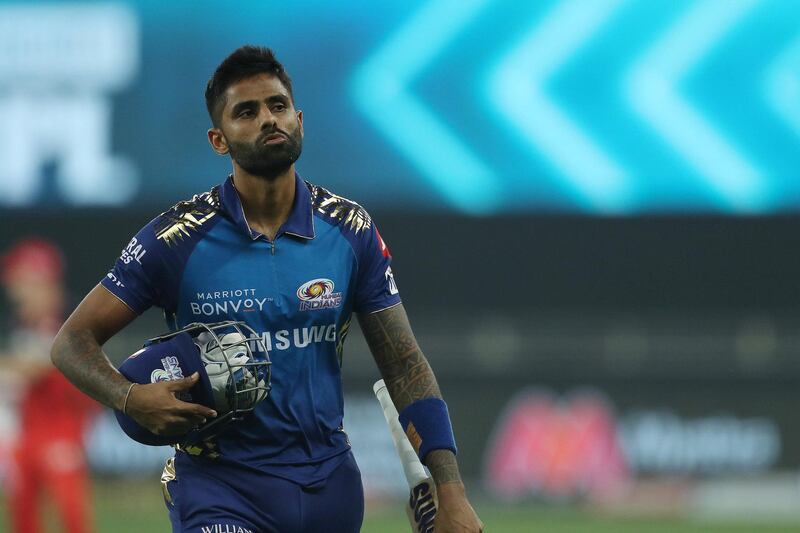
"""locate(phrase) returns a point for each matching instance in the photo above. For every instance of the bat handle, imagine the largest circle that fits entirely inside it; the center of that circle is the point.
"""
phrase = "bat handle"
(412, 467)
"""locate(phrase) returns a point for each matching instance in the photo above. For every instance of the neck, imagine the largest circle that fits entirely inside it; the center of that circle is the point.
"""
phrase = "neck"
(267, 202)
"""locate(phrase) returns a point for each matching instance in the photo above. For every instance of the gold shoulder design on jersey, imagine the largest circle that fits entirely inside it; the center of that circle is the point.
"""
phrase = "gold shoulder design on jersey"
(344, 211)
(187, 216)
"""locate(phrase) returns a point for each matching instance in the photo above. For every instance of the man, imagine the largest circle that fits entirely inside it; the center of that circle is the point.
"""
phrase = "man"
(294, 261)
(48, 454)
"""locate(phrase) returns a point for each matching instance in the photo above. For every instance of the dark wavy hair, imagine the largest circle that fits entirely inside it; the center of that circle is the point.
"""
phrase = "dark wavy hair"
(243, 63)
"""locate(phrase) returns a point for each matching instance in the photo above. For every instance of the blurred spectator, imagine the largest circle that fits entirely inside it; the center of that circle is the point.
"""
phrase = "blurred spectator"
(47, 457)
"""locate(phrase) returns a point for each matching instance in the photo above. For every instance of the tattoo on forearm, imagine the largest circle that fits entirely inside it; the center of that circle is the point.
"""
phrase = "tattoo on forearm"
(443, 467)
(402, 364)
(407, 374)
(78, 355)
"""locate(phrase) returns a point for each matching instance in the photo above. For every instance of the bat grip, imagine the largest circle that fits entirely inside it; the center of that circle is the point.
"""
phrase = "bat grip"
(412, 467)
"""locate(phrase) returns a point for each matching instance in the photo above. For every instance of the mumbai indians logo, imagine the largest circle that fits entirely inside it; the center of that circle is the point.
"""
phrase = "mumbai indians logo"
(172, 370)
(318, 294)
(423, 506)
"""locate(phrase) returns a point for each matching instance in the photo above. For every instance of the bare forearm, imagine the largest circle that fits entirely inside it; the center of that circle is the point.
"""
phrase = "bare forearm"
(407, 375)
(80, 358)
(400, 360)
(443, 467)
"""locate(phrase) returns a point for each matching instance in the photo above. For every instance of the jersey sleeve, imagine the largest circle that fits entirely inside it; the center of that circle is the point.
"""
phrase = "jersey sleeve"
(137, 275)
(375, 285)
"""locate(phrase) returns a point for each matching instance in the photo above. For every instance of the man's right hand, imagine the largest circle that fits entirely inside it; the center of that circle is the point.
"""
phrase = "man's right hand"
(155, 406)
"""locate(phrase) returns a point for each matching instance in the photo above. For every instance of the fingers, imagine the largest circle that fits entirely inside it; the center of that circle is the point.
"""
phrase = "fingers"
(180, 422)
(183, 384)
(183, 417)
(159, 409)
(186, 408)
(194, 409)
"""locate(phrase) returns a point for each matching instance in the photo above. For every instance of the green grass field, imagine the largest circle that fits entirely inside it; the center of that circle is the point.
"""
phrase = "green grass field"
(125, 507)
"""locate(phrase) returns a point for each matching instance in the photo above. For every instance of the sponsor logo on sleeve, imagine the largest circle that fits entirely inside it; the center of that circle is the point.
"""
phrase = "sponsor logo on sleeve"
(390, 279)
(318, 294)
(135, 251)
(114, 280)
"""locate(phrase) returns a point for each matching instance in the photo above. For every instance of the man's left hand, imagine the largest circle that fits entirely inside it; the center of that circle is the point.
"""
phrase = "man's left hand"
(455, 514)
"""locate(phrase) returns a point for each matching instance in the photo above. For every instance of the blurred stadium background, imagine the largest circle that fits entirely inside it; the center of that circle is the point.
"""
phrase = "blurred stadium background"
(592, 205)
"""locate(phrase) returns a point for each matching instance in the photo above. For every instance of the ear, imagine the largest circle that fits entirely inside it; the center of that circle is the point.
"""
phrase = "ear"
(300, 121)
(217, 141)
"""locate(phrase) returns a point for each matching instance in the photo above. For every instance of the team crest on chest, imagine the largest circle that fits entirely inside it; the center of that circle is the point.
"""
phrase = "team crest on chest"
(318, 294)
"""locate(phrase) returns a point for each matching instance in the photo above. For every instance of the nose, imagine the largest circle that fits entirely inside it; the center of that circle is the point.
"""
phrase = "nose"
(268, 120)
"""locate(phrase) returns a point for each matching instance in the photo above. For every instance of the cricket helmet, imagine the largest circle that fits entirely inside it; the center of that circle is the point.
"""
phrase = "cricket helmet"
(233, 365)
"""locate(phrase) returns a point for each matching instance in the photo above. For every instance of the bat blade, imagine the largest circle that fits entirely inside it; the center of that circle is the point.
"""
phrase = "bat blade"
(422, 502)
(422, 506)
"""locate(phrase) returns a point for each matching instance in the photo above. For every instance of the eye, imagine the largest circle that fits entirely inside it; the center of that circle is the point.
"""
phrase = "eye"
(278, 107)
(245, 113)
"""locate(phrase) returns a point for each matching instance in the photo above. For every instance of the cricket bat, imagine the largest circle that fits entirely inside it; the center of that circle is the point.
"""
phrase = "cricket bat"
(422, 502)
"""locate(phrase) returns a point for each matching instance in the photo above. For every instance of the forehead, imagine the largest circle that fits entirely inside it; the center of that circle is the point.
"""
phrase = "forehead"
(258, 87)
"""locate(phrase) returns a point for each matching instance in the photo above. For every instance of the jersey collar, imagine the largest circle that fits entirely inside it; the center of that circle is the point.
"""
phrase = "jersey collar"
(301, 218)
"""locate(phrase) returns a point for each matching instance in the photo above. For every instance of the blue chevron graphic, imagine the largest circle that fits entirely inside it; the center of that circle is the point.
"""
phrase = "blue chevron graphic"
(653, 89)
(782, 86)
(597, 182)
(380, 88)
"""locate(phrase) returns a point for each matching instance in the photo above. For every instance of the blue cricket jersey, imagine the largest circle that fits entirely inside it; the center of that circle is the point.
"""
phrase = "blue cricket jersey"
(201, 262)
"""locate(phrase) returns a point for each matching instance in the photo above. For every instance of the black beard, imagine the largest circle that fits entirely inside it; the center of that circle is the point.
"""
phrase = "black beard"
(267, 161)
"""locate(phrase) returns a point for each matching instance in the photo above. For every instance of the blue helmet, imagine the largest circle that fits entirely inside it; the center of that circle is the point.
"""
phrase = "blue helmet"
(233, 365)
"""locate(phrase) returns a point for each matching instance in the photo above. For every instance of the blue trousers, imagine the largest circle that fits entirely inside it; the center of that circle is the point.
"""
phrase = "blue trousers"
(226, 499)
